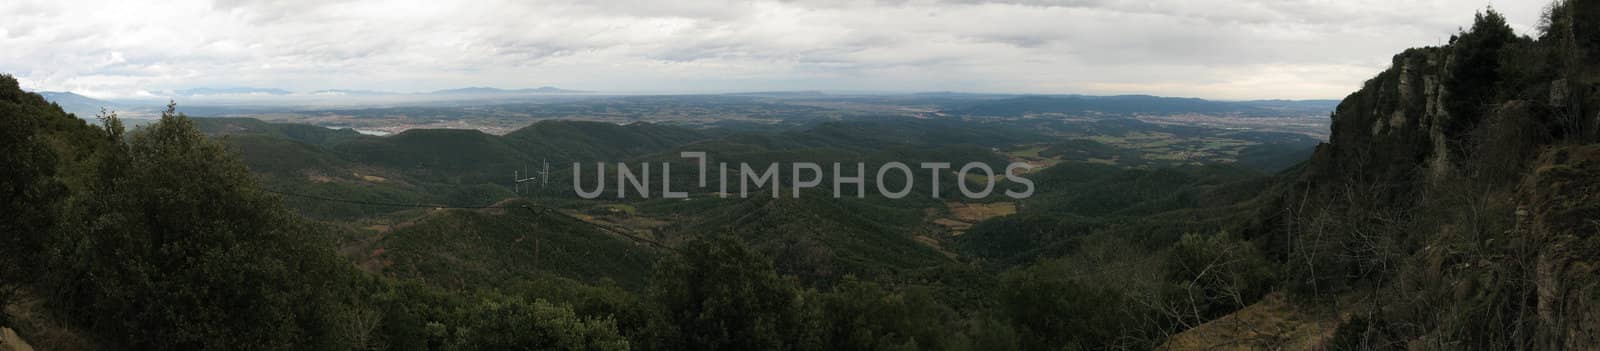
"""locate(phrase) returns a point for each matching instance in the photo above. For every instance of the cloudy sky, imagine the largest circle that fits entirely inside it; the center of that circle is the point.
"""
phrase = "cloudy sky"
(1223, 49)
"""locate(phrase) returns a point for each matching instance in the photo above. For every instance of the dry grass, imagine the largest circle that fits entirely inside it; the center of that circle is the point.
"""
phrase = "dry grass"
(622, 218)
(935, 245)
(372, 178)
(319, 178)
(954, 225)
(9, 341)
(964, 215)
(973, 213)
(1030, 156)
(1274, 323)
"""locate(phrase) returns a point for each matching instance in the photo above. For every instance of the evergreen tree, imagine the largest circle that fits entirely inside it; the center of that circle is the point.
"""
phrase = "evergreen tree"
(173, 246)
(721, 295)
(29, 193)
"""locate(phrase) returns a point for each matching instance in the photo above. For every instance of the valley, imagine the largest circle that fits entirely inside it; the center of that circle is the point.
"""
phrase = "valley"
(1099, 177)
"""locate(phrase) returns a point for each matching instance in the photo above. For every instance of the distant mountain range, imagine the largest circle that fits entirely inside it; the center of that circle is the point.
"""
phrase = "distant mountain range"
(1139, 104)
(253, 91)
(230, 91)
(781, 93)
(494, 91)
(83, 106)
(351, 92)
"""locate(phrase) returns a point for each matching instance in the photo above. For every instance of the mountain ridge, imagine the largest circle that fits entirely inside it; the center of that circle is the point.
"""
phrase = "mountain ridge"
(492, 91)
(77, 104)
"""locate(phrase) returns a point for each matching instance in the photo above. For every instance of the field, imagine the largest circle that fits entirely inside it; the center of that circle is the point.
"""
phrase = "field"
(964, 215)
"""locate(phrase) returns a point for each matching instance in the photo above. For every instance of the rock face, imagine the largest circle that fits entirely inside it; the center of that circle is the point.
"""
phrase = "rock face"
(1397, 118)
(1563, 201)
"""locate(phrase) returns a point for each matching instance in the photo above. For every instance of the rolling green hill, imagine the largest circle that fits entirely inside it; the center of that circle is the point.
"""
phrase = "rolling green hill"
(303, 133)
(460, 167)
(1078, 200)
(463, 249)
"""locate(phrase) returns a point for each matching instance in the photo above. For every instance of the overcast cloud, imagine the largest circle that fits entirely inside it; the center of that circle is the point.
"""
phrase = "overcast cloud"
(1224, 49)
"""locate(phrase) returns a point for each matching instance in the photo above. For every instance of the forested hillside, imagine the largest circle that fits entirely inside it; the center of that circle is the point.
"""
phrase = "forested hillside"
(129, 217)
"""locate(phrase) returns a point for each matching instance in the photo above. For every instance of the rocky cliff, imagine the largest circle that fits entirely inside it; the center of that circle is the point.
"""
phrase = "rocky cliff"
(1459, 193)
(1560, 218)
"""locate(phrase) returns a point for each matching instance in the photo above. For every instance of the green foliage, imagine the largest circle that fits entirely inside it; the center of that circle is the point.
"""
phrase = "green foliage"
(176, 248)
(1217, 275)
(467, 249)
(1053, 311)
(562, 315)
(1475, 69)
(866, 316)
(421, 166)
(1585, 21)
(513, 324)
(302, 133)
(446, 155)
(29, 193)
(717, 294)
(1080, 199)
(819, 238)
(1573, 21)
(570, 141)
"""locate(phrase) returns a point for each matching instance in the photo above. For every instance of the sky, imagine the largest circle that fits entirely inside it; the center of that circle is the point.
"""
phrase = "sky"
(1217, 49)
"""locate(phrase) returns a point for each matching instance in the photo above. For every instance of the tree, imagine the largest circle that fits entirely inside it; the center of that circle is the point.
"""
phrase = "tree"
(1215, 275)
(718, 294)
(1474, 72)
(866, 316)
(176, 247)
(513, 324)
(29, 192)
(1054, 311)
